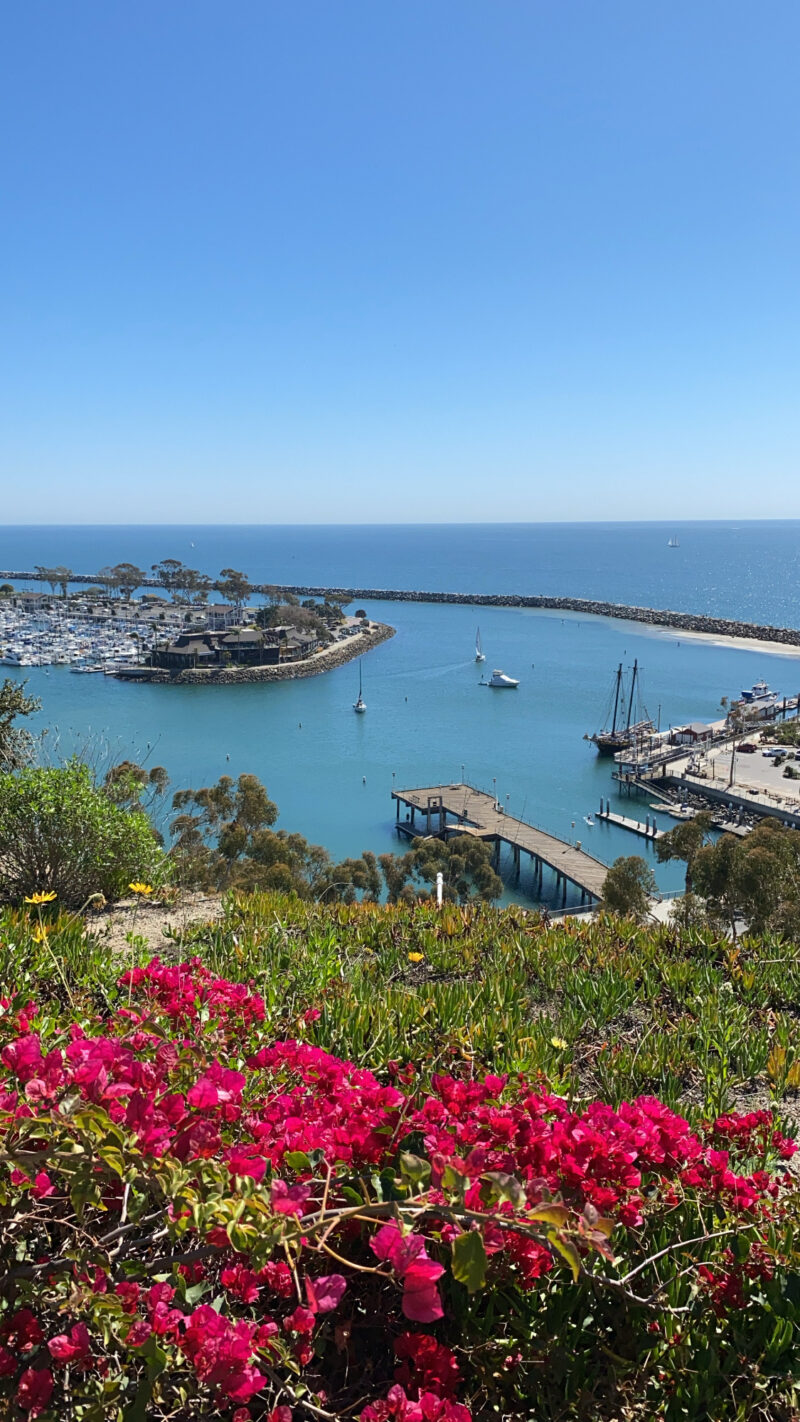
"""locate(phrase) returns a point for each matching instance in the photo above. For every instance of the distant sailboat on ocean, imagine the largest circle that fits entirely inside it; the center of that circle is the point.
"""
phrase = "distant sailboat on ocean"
(673, 541)
(361, 704)
(479, 654)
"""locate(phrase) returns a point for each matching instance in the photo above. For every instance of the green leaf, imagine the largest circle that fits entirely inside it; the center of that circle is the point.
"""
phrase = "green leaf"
(503, 1187)
(567, 1251)
(297, 1160)
(557, 1215)
(413, 1168)
(454, 1182)
(469, 1260)
(156, 1359)
(137, 1410)
(113, 1159)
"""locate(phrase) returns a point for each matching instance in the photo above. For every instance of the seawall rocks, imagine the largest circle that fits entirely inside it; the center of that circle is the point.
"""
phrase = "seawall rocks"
(653, 617)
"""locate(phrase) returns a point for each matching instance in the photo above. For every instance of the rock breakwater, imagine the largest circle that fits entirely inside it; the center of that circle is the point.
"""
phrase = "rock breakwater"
(653, 617)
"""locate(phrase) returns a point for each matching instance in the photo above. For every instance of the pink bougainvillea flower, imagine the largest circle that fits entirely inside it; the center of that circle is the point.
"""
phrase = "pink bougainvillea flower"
(241, 1282)
(409, 1259)
(428, 1408)
(421, 1300)
(8, 1362)
(138, 1333)
(400, 1250)
(22, 1331)
(425, 1363)
(128, 1292)
(245, 1160)
(34, 1390)
(325, 1292)
(42, 1186)
(220, 1352)
(289, 1199)
(73, 1347)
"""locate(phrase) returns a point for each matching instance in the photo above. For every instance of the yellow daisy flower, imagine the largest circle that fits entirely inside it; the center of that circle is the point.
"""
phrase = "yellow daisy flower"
(141, 888)
(41, 898)
(415, 957)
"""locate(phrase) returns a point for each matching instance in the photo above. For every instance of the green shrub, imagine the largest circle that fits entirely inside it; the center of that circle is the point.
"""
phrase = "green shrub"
(60, 833)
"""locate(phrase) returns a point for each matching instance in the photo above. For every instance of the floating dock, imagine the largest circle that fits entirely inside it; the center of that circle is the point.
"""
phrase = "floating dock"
(445, 810)
(648, 829)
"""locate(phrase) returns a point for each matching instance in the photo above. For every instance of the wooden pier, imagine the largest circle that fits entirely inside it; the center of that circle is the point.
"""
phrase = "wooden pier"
(444, 810)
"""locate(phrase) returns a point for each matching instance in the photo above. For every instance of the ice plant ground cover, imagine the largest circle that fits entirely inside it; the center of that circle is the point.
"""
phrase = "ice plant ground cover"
(210, 1204)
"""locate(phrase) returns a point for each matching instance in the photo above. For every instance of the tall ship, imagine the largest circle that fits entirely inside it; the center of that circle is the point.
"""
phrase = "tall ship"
(626, 720)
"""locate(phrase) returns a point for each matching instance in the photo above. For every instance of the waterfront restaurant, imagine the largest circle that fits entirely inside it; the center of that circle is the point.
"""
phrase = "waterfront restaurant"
(246, 646)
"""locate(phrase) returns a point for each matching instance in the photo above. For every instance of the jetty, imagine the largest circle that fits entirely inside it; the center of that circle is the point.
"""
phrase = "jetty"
(445, 810)
(584, 607)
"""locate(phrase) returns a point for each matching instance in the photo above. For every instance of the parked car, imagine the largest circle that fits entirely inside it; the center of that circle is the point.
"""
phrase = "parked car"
(747, 748)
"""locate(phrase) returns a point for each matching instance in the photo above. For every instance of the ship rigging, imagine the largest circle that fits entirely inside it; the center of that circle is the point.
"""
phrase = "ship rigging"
(629, 719)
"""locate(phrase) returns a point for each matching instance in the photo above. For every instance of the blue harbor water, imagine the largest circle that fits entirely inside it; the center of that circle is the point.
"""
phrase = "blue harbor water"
(429, 721)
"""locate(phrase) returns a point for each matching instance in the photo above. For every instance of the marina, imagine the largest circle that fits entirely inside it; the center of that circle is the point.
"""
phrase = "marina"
(84, 637)
(727, 765)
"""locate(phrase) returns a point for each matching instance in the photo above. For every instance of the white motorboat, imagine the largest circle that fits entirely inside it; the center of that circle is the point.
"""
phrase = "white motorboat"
(479, 652)
(500, 681)
(759, 694)
(679, 812)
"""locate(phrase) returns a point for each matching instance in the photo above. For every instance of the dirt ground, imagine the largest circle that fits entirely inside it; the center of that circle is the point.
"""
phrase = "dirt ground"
(149, 919)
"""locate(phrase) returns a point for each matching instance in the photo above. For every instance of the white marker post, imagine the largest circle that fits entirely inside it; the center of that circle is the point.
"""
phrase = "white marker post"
(439, 889)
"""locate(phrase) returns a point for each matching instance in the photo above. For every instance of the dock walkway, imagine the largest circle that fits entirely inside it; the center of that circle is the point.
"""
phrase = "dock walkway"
(475, 812)
(646, 829)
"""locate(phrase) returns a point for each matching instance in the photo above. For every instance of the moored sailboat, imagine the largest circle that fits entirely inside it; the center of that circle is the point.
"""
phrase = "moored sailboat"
(479, 653)
(359, 705)
(622, 733)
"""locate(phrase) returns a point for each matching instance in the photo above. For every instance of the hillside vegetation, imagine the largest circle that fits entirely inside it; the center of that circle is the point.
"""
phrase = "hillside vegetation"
(388, 1162)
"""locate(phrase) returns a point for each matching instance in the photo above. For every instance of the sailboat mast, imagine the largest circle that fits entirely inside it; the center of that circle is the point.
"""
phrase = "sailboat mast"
(633, 693)
(616, 698)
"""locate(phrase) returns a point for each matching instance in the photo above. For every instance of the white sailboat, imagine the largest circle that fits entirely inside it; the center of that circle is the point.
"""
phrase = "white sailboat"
(479, 654)
(361, 704)
(673, 541)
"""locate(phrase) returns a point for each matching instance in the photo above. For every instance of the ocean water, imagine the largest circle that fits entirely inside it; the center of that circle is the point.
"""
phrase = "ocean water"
(746, 570)
(428, 720)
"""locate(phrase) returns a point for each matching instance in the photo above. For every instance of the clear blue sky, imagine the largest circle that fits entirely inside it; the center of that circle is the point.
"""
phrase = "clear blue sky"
(379, 260)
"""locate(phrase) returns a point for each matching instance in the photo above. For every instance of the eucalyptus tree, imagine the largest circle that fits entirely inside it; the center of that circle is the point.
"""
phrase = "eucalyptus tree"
(129, 577)
(234, 586)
